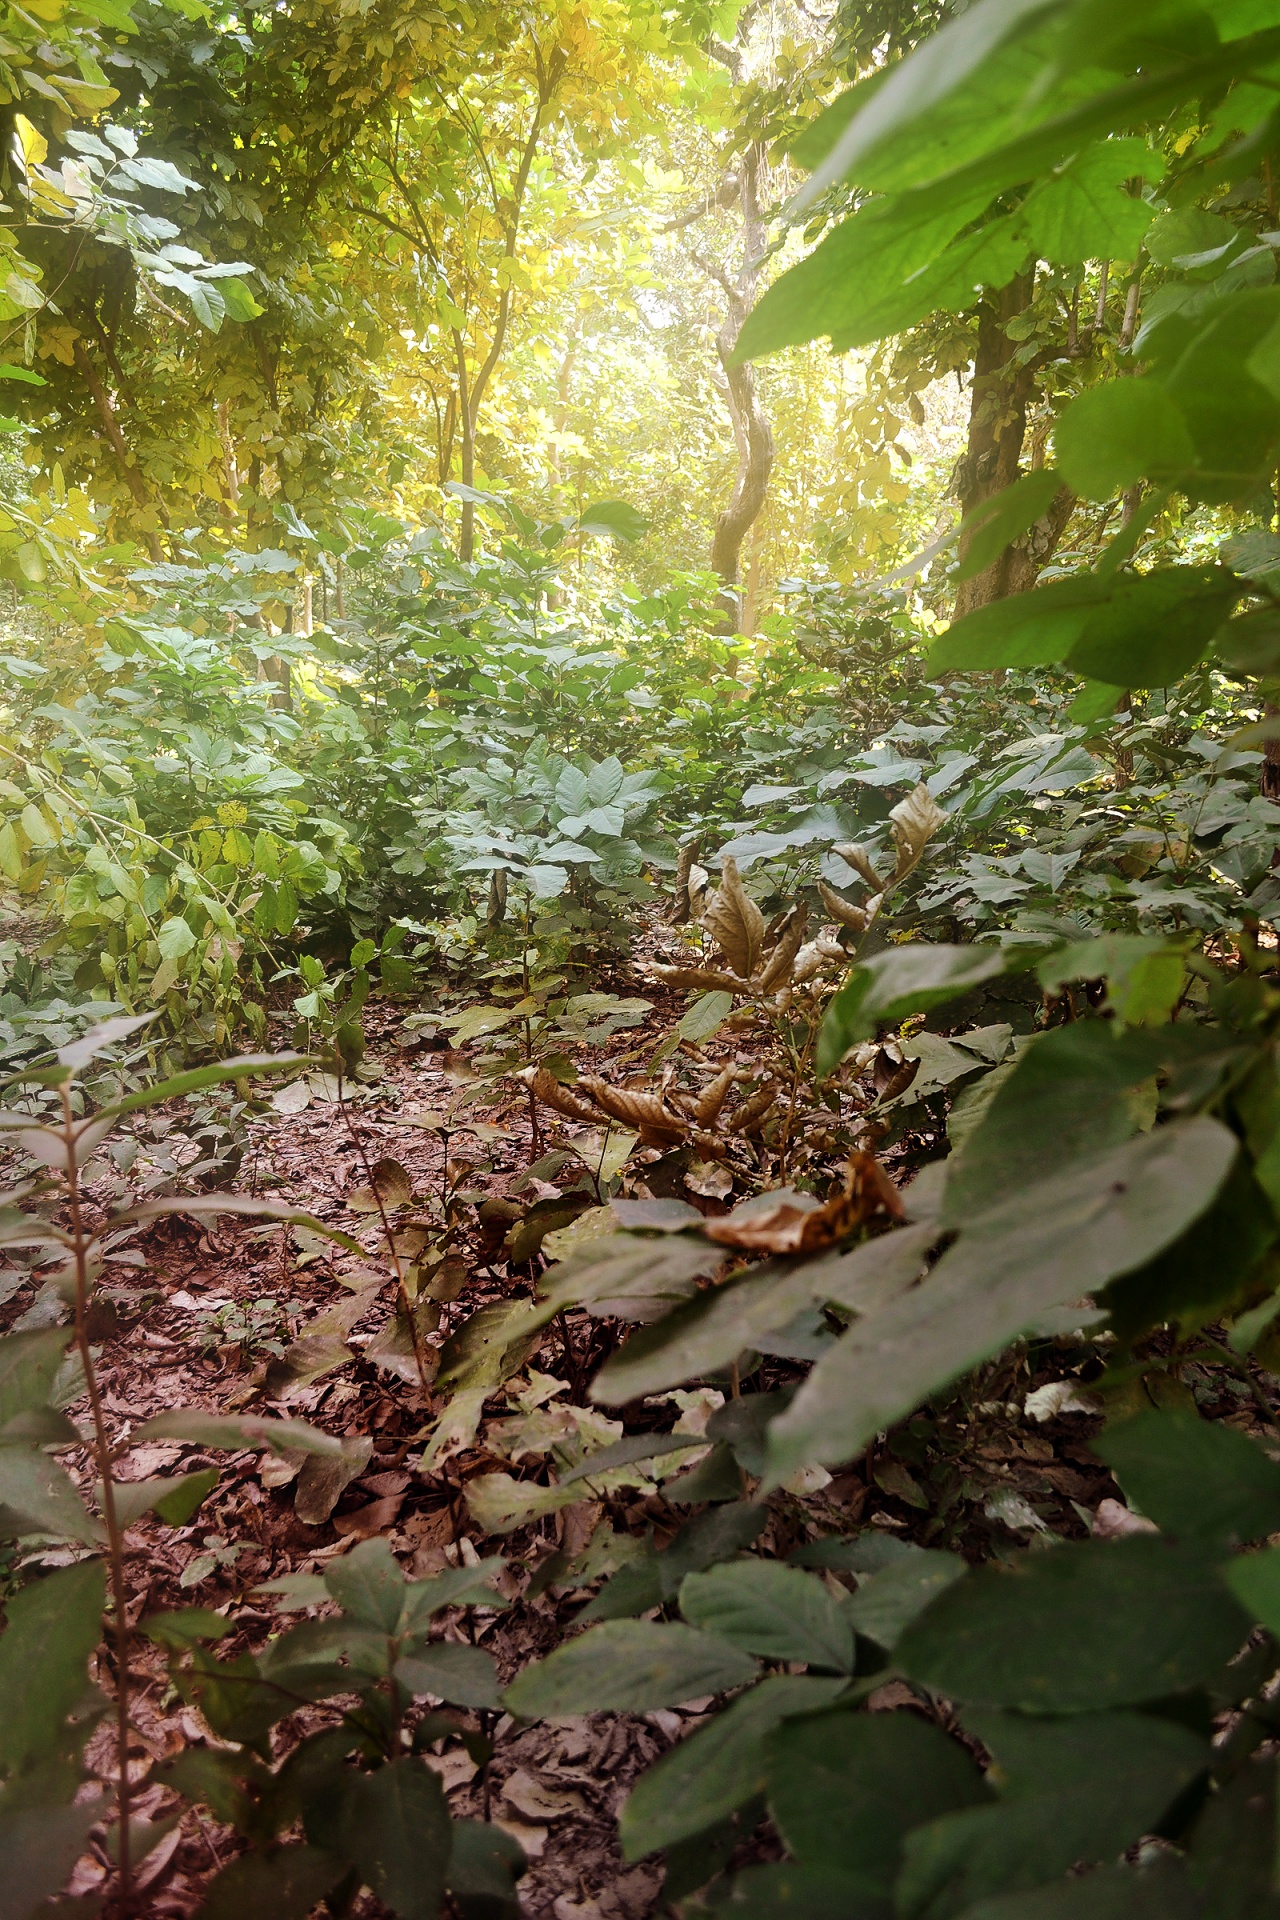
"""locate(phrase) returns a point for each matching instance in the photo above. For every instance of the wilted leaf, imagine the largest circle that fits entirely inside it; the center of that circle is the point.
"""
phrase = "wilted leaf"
(324, 1479)
(734, 921)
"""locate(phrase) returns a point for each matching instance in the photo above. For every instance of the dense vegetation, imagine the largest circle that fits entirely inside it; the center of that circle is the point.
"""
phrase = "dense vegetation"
(639, 1002)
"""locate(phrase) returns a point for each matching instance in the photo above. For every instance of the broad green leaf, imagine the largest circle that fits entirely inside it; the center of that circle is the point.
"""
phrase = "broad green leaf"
(175, 939)
(29, 1364)
(1196, 1479)
(1067, 1097)
(286, 1883)
(394, 1827)
(236, 1432)
(464, 1676)
(367, 1584)
(990, 527)
(1027, 630)
(1231, 1866)
(888, 1601)
(1082, 211)
(777, 1612)
(724, 1322)
(705, 1017)
(1209, 1270)
(844, 1788)
(1095, 1784)
(40, 1846)
(186, 1627)
(52, 1626)
(784, 1891)
(179, 1084)
(1091, 1625)
(629, 1666)
(1232, 417)
(899, 982)
(1144, 974)
(1153, 627)
(718, 1768)
(485, 1861)
(1113, 435)
(37, 1496)
(1161, 1891)
(454, 1587)
(613, 518)
(1049, 1244)
(175, 1499)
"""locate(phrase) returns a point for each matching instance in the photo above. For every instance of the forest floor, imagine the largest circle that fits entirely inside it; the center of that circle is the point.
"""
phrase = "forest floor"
(989, 1473)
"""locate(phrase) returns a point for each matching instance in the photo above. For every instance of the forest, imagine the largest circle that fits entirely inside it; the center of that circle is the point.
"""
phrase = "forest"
(639, 982)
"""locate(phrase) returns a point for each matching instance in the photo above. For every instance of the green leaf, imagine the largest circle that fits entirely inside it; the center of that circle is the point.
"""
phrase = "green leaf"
(629, 1666)
(203, 1204)
(613, 518)
(1209, 1270)
(845, 1789)
(705, 1017)
(395, 1829)
(777, 1612)
(719, 1768)
(885, 1604)
(186, 1627)
(1050, 1244)
(236, 1432)
(1154, 627)
(175, 1499)
(1161, 1891)
(367, 1583)
(454, 1587)
(484, 1864)
(52, 1626)
(1118, 433)
(1092, 1624)
(1067, 1097)
(285, 1883)
(990, 527)
(784, 1889)
(37, 1496)
(1196, 1479)
(897, 983)
(1144, 974)
(175, 939)
(39, 1847)
(1085, 1788)
(1083, 212)
(723, 1322)
(29, 1364)
(1027, 630)
(179, 1084)
(464, 1676)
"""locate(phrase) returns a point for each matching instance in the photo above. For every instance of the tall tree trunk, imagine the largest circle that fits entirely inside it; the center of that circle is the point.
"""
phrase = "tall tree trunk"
(115, 440)
(1001, 395)
(751, 430)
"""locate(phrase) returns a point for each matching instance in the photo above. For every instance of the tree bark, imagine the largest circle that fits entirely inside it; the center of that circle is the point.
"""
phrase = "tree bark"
(997, 428)
(751, 430)
(115, 440)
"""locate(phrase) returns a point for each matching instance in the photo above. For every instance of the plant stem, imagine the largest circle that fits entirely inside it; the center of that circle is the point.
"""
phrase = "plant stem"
(102, 1457)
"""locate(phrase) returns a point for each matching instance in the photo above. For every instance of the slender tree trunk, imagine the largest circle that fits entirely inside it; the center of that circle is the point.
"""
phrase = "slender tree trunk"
(751, 430)
(115, 440)
(997, 428)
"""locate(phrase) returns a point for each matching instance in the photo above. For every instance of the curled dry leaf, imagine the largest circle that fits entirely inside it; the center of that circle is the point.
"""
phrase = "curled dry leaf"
(915, 821)
(752, 1111)
(682, 905)
(777, 968)
(706, 1107)
(790, 1222)
(857, 858)
(734, 921)
(548, 1090)
(653, 1120)
(698, 977)
(856, 918)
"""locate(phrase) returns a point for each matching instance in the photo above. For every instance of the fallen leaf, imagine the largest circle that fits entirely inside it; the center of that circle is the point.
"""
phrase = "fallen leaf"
(791, 1222)
(1057, 1397)
(378, 1517)
(1113, 1521)
(325, 1477)
(536, 1801)
(454, 1769)
(295, 1098)
(532, 1840)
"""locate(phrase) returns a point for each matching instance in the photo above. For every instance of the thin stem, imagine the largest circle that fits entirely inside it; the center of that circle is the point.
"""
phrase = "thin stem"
(405, 1304)
(102, 1457)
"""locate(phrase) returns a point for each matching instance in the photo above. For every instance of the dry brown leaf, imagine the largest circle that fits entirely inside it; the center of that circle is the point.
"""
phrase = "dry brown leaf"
(703, 977)
(734, 921)
(843, 910)
(794, 1223)
(753, 1111)
(366, 1522)
(777, 968)
(537, 1801)
(915, 821)
(652, 1119)
(548, 1090)
(707, 1106)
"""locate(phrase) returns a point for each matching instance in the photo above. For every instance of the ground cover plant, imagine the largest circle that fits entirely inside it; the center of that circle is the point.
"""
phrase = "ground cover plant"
(638, 1267)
